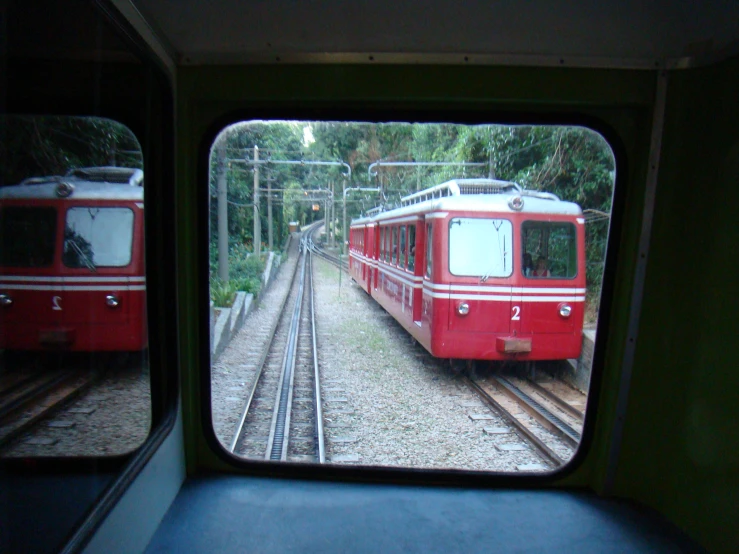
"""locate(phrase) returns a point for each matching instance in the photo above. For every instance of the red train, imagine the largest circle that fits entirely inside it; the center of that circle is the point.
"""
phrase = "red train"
(72, 262)
(478, 269)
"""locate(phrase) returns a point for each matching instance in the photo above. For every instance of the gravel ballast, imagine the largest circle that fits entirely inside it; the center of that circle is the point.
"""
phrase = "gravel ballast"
(399, 406)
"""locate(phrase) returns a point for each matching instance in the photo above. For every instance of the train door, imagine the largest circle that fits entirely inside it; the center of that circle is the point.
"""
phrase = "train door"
(362, 241)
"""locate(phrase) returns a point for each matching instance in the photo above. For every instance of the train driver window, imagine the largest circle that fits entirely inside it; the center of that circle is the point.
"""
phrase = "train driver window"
(411, 247)
(401, 252)
(480, 247)
(552, 248)
(98, 237)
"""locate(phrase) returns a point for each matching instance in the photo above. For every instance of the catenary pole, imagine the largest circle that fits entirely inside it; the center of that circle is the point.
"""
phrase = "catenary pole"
(257, 240)
(269, 213)
(222, 193)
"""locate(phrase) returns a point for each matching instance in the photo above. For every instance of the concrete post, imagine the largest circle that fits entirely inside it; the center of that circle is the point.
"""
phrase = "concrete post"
(222, 193)
(257, 223)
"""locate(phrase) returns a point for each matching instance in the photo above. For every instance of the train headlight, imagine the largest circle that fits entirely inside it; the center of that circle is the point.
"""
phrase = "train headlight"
(516, 203)
(463, 308)
(5, 300)
(112, 301)
(64, 189)
(565, 310)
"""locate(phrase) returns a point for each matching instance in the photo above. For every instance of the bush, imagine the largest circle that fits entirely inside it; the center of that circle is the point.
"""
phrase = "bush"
(222, 293)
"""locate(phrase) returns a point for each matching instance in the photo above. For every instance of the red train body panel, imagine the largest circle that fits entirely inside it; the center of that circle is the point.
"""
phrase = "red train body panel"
(456, 265)
(72, 267)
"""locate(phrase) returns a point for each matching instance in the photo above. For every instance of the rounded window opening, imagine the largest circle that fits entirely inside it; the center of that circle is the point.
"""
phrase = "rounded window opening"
(422, 289)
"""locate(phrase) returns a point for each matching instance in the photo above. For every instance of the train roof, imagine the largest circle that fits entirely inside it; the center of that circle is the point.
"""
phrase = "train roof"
(90, 183)
(471, 195)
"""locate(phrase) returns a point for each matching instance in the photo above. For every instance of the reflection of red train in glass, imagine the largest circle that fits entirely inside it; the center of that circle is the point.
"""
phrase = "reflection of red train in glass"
(478, 269)
(72, 262)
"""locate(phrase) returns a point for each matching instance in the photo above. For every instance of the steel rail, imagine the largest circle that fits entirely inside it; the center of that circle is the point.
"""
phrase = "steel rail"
(14, 426)
(549, 395)
(546, 418)
(19, 397)
(260, 364)
(320, 440)
(544, 451)
(280, 427)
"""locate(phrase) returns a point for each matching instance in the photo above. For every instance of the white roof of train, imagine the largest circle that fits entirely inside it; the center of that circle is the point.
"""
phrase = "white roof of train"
(496, 203)
(89, 184)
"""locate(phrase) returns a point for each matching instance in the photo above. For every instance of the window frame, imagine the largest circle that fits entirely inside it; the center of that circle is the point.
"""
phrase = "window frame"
(413, 475)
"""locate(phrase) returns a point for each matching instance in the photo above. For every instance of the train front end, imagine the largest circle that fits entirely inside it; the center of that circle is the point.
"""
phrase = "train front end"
(71, 263)
(508, 277)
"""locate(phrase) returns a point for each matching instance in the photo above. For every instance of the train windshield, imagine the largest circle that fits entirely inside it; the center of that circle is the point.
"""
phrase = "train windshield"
(480, 247)
(27, 236)
(549, 250)
(95, 237)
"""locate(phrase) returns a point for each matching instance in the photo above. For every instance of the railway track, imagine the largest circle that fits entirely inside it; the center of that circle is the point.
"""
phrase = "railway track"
(28, 398)
(548, 423)
(329, 257)
(282, 416)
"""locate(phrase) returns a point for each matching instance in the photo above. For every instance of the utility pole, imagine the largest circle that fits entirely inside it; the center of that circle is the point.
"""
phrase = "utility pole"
(332, 230)
(257, 224)
(269, 212)
(343, 226)
(222, 213)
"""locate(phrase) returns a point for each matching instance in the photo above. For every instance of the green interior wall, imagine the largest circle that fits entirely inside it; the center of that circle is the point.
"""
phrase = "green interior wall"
(679, 451)
(681, 441)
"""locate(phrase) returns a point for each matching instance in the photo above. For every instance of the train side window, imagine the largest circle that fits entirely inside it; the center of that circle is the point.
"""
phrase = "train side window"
(429, 249)
(411, 247)
(388, 248)
(401, 251)
(394, 259)
(381, 253)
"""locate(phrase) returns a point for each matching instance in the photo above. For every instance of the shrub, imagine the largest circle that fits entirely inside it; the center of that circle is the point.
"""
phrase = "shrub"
(222, 293)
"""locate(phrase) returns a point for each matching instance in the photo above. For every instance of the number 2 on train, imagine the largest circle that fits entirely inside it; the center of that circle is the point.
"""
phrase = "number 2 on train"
(55, 300)
(516, 312)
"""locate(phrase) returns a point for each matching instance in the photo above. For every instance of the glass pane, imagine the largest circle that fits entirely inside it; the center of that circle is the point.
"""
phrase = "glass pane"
(480, 247)
(401, 261)
(383, 387)
(74, 375)
(551, 250)
(28, 236)
(411, 247)
(98, 237)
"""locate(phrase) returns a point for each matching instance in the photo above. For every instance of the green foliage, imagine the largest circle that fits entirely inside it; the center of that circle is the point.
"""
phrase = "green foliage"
(244, 272)
(36, 146)
(222, 293)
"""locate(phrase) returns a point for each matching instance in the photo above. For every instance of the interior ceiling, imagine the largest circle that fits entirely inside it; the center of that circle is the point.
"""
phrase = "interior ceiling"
(198, 31)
